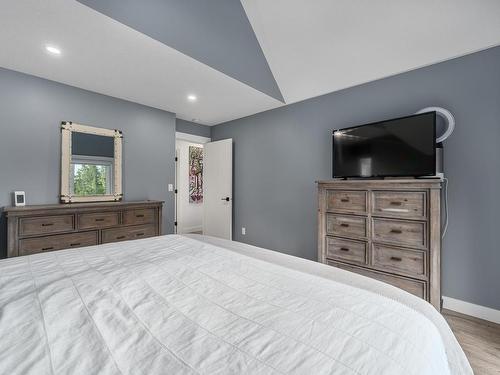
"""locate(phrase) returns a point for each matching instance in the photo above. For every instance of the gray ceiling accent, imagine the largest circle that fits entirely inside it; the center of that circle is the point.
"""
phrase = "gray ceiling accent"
(216, 33)
(194, 128)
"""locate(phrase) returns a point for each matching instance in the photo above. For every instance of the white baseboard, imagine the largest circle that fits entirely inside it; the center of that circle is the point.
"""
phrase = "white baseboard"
(467, 308)
(192, 229)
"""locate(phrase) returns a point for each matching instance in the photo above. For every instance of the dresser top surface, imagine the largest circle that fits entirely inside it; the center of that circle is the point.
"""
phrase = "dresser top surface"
(383, 183)
(76, 206)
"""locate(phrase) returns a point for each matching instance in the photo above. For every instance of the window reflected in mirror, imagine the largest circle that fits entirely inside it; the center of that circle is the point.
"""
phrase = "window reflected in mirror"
(91, 177)
(92, 160)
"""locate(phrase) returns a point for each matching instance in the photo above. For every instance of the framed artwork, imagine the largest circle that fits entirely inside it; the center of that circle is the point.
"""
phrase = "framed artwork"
(195, 174)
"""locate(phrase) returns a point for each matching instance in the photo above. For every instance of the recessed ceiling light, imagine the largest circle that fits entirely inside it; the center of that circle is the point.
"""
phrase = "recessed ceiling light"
(53, 50)
(192, 98)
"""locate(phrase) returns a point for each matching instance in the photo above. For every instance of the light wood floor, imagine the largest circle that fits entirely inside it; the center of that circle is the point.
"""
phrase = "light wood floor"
(480, 341)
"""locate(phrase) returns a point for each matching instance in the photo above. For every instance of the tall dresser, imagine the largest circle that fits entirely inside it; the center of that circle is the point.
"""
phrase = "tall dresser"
(389, 230)
(36, 229)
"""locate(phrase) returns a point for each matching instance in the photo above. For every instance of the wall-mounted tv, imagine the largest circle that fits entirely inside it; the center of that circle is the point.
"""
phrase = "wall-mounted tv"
(399, 147)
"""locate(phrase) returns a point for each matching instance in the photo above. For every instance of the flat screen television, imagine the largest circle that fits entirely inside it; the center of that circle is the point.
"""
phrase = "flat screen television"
(401, 147)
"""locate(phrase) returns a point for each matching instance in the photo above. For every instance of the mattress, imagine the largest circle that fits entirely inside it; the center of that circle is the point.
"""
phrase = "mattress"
(199, 305)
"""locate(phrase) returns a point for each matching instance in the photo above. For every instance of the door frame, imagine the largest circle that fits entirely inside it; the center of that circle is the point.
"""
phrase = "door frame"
(189, 138)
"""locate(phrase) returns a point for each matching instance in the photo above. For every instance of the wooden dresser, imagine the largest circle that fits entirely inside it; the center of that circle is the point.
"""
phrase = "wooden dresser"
(389, 230)
(36, 229)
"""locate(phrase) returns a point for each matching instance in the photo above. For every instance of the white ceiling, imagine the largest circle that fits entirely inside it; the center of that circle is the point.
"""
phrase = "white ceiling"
(105, 56)
(316, 47)
(312, 47)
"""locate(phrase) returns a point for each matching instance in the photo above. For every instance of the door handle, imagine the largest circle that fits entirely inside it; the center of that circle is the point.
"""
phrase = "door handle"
(227, 199)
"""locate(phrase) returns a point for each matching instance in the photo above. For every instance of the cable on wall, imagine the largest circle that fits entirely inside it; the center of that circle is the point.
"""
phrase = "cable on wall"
(446, 221)
(449, 119)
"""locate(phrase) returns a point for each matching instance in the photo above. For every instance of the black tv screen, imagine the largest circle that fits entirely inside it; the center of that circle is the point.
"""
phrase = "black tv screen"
(394, 148)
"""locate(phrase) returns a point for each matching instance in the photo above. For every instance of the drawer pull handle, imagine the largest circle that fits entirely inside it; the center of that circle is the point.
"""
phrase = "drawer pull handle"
(141, 215)
(120, 237)
(396, 203)
(344, 225)
(397, 231)
(345, 200)
(47, 224)
(396, 259)
(139, 234)
(99, 219)
(75, 244)
(47, 248)
(344, 249)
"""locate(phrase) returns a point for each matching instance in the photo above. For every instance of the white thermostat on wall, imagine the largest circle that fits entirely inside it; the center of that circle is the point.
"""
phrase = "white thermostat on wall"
(19, 198)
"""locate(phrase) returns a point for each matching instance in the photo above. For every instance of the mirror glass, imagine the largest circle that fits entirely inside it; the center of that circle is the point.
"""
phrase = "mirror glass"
(92, 163)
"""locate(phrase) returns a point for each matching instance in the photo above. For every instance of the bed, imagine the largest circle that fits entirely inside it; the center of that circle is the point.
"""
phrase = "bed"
(199, 305)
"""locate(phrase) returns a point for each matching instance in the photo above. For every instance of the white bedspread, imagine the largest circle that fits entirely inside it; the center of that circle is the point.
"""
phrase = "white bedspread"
(196, 305)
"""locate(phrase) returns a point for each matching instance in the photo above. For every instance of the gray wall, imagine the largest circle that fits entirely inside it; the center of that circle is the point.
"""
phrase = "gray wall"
(31, 111)
(189, 127)
(280, 153)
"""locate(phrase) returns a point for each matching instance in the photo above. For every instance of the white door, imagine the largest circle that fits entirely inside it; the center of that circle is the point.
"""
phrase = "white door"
(218, 188)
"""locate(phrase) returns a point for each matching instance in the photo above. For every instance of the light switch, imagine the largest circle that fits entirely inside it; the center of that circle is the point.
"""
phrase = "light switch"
(170, 187)
(243, 230)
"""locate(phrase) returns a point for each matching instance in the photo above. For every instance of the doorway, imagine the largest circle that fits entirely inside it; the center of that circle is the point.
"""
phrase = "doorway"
(204, 184)
(189, 183)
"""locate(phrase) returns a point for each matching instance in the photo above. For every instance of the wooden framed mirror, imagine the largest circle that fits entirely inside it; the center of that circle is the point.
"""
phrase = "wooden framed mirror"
(91, 163)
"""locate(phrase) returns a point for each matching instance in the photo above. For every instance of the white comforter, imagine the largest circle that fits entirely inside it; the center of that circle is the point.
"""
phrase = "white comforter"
(197, 305)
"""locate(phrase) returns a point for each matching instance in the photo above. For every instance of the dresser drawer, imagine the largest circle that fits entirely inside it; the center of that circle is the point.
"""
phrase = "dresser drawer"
(139, 216)
(56, 242)
(400, 232)
(98, 220)
(346, 226)
(346, 250)
(128, 233)
(415, 287)
(346, 201)
(405, 204)
(46, 225)
(405, 261)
